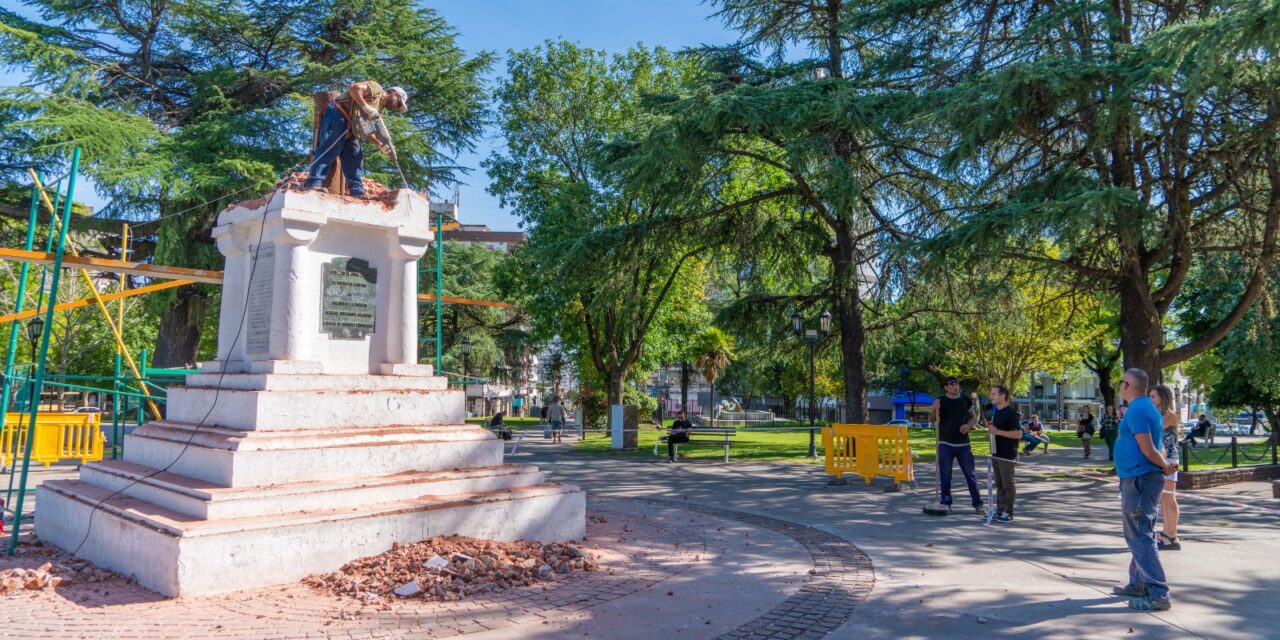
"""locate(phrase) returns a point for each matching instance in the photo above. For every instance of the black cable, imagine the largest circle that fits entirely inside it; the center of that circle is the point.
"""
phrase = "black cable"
(217, 391)
(253, 265)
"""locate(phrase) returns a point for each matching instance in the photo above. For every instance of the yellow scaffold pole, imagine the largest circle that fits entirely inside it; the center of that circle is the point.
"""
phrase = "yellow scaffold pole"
(106, 314)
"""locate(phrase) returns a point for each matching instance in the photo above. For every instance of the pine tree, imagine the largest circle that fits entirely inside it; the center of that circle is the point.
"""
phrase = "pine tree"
(183, 108)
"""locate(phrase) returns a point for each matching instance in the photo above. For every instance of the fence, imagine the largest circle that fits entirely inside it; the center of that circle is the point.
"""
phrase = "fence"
(58, 436)
(868, 451)
(1267, 454)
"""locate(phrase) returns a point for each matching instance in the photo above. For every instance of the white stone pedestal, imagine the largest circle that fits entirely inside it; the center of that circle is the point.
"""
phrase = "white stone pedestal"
(315, 437)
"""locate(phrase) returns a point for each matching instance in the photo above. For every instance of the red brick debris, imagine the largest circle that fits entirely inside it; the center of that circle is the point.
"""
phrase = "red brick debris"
(449, 568)
(373, 190)
(60, 570)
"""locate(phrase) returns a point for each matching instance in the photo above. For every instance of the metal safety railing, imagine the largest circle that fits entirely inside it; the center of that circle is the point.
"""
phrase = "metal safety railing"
(868, 451)
(57, 437)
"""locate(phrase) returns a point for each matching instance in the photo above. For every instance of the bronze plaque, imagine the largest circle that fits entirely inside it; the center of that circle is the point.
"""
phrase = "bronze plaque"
(350, 298)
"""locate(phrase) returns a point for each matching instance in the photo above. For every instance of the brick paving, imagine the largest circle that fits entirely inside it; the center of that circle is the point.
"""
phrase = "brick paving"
(636, 552)
(841, 579)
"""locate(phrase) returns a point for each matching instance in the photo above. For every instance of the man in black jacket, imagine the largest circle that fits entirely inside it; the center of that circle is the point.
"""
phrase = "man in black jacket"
(679, 433)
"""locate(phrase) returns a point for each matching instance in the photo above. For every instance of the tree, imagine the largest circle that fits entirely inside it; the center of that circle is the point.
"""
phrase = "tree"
(711, 351)
(1140, 137)
(604, 294)
(791, 161)
(180, 107)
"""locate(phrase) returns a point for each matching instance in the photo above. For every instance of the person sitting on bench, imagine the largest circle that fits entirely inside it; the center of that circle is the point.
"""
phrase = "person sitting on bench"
(1201, 430)
(1034, 435)
(679, 433)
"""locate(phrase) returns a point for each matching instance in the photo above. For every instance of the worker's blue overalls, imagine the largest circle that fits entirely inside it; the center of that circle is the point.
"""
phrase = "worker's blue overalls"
(337, 142)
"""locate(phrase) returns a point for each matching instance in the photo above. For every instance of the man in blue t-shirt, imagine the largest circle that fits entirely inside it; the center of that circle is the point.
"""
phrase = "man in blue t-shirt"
(1141, 467)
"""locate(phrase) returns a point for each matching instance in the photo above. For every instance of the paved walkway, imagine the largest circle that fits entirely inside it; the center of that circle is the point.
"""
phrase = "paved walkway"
(1048, 574)
(763, 550)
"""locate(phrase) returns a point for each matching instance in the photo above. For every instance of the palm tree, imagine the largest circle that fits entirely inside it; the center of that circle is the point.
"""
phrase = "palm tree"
(712, 350)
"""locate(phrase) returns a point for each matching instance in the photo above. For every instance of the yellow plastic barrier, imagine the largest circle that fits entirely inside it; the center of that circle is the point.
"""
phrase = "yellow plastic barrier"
(868, 450)
(59, 436)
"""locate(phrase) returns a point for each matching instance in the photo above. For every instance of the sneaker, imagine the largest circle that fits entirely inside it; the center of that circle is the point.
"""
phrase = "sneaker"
(316, 189)
(1130, 591)
(1150, 604)
(1004, 517)
(981, 509)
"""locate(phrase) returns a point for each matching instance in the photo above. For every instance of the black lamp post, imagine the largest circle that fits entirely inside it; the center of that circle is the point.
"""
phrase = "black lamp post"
(811, 338)
(35, 329)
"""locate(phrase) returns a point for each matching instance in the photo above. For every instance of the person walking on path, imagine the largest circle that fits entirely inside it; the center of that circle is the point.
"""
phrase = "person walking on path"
(1008, 433)
(1110, 430)
(555, 416)
(954, 417)
(1167, 538)
(1141, 467)
(1085, 430)
(679, 433)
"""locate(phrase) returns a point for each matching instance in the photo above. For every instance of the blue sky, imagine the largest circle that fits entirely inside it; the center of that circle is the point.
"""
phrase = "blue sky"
(503, 25)
(611, 25)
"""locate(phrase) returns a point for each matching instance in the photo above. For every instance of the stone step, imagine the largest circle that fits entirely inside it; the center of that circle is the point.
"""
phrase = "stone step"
(205, 500)
(233, 458)
(178, 555)
(306, 409)
(316, 382)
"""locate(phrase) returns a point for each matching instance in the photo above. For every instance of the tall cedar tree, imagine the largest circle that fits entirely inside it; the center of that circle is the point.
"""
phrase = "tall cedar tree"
(1140, 138)
(184, 107)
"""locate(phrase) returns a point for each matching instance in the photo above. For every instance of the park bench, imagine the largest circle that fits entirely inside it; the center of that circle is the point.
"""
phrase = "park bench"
(703, 437)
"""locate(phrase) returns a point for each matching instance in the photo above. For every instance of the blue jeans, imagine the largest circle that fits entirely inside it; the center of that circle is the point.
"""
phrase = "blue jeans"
(964, 455)
(334, 144)
(1139, 500)
(1035, 442)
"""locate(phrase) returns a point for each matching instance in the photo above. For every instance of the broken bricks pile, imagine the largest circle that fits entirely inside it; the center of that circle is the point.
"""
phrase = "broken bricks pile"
(448, 568)
(19, 579)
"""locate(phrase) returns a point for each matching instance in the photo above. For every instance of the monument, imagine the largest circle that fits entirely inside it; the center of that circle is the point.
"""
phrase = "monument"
(315, 437)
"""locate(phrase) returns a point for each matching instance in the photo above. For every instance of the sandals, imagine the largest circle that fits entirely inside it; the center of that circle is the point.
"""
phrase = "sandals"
(1165, 543)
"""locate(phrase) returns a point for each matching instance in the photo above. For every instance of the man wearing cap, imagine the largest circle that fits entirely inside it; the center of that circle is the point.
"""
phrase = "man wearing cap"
(337, 138)
(954, 417)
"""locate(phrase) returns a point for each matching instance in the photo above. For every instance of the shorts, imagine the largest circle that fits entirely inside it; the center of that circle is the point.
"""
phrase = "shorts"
(1086, 437)
(1172, 477)
(557, 425)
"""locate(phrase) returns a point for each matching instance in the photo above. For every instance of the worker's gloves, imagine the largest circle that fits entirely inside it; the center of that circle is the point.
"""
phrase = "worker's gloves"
(370, 112)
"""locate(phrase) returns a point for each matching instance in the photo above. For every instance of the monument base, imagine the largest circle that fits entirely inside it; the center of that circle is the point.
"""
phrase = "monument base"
(284, 479)
(177, 555)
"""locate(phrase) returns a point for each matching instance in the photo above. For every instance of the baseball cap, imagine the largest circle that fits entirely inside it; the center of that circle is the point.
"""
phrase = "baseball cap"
(403, 95)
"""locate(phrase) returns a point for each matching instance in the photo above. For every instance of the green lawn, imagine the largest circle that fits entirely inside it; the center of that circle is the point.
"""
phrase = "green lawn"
(788, 446)
(1219, 457)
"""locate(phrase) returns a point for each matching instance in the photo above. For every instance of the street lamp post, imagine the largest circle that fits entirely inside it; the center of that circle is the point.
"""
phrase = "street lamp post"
(35, 329)
(811, 338)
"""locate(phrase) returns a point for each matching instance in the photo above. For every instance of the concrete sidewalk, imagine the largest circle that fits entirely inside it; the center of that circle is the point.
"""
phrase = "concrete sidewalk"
(1048, 574)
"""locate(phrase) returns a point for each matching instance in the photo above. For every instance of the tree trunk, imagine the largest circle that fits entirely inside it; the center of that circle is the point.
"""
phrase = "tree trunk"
(853, 338)
(713, 402)
(684, 387)
(180, 327)
(614, 382)
(1140, 337)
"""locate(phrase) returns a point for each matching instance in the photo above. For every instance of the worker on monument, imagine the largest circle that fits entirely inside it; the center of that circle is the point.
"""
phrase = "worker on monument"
(345, 121)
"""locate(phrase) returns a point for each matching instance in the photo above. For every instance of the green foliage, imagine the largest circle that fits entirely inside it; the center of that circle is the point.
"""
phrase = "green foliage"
(211, 103)
(607, 295)
(711, 351)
